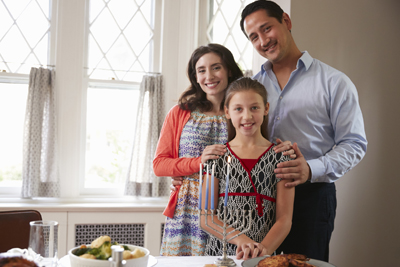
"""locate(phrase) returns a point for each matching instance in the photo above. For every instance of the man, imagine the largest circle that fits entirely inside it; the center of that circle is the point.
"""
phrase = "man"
(316, 106)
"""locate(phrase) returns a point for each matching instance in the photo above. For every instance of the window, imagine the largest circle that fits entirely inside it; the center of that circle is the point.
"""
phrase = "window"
(12, 113)
(24, 35)
(120, 50)
(24, 42)
(100, 49)
(224, 28)
(110, 129)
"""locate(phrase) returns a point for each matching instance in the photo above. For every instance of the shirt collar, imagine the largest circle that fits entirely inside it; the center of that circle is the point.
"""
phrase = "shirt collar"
(306, 59)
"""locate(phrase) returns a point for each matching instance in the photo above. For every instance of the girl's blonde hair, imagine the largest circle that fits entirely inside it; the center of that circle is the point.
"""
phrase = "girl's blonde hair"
(246, 84)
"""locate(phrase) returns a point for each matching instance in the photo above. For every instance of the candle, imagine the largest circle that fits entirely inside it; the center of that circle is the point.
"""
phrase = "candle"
(212, 186)
(201, 184)
(227, 182)
(207, 187)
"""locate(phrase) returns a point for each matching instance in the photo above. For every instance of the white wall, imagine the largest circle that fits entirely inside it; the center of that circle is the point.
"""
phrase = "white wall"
(361, 38)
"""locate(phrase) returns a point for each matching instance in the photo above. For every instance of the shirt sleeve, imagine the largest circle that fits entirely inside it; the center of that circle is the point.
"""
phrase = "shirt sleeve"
(349, 134)
(166, 161)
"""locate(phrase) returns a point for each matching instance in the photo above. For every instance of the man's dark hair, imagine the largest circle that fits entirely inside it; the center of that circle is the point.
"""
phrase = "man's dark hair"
(273, 10)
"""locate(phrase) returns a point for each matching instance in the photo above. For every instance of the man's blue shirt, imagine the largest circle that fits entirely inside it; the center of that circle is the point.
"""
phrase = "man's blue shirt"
(318, 108)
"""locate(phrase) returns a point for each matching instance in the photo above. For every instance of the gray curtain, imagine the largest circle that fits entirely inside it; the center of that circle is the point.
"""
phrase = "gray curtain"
(248, 73)
(141, 180)
(39, 166)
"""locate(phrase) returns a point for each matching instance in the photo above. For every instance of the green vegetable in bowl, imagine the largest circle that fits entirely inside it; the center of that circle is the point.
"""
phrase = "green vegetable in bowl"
(80, 251)
(101, 252)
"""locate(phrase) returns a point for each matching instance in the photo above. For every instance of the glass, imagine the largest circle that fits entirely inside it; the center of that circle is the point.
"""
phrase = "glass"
(111, 116)
(120, 41)
(24, 34)
(224, 29)
(13, 99)
(43, 239)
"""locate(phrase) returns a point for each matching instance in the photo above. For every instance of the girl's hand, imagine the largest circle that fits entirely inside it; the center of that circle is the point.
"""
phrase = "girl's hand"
(175, 181)
(285, 147)
(212, 152)
(245, 251)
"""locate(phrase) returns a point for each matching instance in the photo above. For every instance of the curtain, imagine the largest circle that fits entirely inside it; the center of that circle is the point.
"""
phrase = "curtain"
(248, 73)
(141, 180)
(39, 166)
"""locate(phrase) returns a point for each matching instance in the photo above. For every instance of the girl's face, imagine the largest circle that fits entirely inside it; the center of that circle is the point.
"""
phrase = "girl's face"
(211, 75)
(246, 111)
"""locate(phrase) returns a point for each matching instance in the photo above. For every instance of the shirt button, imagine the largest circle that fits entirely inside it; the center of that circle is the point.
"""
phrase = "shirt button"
(277, 118)
(280, 97)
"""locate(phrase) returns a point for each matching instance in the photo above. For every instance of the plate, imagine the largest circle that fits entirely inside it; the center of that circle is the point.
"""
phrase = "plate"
(254, 262)
(152, 261)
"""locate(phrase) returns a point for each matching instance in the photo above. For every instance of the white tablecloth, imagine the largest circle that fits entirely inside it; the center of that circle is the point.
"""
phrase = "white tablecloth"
(195, 261)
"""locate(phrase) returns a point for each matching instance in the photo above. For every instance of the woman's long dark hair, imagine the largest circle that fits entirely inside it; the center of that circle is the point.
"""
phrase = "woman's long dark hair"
(194, 97)
(246, 84)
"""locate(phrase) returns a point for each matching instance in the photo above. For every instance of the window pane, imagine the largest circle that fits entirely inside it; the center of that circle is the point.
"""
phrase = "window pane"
(120, 36)
(111, 116)
(224, 29)
(24, 34)
(12, 115)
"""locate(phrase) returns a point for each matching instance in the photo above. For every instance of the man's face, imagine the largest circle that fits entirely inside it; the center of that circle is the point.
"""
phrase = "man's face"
(269, 37)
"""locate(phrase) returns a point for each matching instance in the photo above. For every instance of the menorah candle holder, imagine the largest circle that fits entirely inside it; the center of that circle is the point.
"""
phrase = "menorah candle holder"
(230, 219)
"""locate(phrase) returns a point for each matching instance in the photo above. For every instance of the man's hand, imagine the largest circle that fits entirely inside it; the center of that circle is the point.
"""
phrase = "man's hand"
(296, 170)
(175, 181)
(285, 147)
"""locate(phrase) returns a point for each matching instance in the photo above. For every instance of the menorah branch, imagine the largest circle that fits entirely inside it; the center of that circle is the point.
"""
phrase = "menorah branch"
(226, 218)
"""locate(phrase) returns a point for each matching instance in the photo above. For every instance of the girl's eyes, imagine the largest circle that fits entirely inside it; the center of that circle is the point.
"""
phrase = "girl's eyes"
(252, 108)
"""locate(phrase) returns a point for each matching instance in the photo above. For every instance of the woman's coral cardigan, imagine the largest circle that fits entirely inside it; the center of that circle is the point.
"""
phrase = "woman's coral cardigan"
(166, 161)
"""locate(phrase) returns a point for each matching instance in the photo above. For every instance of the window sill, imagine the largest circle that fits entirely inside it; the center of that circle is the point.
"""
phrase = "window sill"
(85, 204)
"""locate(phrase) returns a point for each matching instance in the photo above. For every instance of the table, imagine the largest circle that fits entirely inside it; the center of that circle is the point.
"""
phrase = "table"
(193, 261)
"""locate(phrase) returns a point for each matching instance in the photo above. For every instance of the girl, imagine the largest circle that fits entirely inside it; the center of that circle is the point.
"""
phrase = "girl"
(252, 182)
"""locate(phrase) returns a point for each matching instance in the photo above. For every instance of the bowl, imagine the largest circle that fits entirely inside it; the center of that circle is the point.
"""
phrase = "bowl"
(81, 262)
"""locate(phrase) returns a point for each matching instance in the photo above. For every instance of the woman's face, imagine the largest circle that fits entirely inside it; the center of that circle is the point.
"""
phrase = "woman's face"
(212, 75)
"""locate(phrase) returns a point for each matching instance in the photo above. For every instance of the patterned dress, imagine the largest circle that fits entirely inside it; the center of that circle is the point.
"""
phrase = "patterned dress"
(253, 190)
(182, 235)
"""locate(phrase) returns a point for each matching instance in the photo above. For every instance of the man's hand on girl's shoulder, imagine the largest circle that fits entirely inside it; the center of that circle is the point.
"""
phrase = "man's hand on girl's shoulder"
(285, 147)
(296, 170)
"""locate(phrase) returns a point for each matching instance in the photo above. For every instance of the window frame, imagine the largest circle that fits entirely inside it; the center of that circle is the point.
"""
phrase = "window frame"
(178, 35)
(18, 78)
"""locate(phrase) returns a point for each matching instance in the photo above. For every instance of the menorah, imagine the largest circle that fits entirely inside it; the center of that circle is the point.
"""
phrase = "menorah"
(236, 219)
(230, 219)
